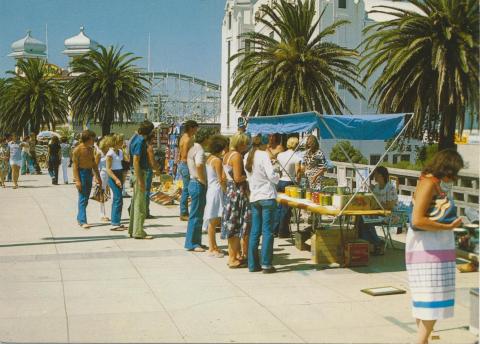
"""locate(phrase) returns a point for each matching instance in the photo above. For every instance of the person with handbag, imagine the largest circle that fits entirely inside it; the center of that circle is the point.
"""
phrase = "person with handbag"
(84, 167)
(139, 158)
(430, 245)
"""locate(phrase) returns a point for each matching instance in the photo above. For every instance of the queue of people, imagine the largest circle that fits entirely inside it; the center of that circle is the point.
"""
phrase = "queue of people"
(233, 184)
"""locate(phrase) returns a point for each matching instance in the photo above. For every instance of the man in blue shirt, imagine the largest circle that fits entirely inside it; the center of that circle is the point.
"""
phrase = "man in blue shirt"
(138, 157)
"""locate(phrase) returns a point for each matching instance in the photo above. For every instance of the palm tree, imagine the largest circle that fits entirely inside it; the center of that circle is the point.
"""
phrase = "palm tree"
(33, 96)
(293, 70)
(429, 63)
(108, 87)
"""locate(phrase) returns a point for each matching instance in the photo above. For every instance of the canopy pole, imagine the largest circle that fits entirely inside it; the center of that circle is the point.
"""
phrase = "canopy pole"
(356, 170)
(392, 144)
(370, 173)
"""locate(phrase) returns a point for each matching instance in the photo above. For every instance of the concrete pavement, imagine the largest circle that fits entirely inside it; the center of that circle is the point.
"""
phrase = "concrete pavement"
(60, 283)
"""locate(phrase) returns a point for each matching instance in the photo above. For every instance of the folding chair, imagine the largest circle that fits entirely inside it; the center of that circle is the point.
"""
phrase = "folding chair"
(397, 218)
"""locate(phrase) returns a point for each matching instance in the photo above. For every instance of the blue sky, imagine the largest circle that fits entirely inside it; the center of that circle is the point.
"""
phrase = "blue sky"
(185, 34)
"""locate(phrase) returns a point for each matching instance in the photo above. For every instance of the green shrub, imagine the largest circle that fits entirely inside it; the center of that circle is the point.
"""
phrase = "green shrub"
(353, 153)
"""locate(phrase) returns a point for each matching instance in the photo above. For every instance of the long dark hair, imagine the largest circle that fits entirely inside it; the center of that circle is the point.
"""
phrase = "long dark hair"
(446, 163)
(256, 143)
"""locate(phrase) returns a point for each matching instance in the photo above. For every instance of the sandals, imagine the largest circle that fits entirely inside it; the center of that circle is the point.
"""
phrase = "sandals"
(198, 249)
(216, 254)
(146, 237)
(85, 225)
(118, 228)
(240, 265)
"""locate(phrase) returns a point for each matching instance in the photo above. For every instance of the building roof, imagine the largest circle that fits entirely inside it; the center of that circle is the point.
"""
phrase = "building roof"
(79, 44)
(28, 47)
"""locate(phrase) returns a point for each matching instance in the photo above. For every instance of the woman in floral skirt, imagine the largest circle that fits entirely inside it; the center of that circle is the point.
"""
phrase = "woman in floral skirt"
(236, 213)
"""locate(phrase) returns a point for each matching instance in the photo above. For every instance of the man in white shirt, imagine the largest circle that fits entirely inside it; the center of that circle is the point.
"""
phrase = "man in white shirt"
(197, 189)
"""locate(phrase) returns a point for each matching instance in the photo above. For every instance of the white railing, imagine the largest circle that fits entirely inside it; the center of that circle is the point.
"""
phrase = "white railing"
(465, 190)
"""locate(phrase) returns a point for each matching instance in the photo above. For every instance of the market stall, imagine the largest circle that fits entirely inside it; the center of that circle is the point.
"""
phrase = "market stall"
(335, 236)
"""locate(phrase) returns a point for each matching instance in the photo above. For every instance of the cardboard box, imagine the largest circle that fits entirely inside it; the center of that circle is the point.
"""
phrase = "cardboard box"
(360, 202)
(356, 253)
(300, 238)
(327, 245)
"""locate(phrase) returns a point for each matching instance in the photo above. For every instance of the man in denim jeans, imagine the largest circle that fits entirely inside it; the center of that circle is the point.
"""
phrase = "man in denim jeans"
(191, 128)
(83, 165)
(197, 188)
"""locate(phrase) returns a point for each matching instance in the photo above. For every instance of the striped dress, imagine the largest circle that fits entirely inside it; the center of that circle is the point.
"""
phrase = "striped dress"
(430, 258)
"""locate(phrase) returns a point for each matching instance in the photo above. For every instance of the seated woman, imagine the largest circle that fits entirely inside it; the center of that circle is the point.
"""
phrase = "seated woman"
(387, 196)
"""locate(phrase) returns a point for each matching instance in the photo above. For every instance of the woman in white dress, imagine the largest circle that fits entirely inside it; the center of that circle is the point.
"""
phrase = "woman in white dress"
(101, 160)
(215, 190)
(430, 245)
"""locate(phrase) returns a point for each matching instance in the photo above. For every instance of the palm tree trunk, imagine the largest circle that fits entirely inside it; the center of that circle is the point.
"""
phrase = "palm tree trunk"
(447, 129)
(106, 127)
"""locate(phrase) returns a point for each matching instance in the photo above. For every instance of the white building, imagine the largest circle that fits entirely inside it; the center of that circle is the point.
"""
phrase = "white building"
(240, 17)
(79, 44)
(28, 47)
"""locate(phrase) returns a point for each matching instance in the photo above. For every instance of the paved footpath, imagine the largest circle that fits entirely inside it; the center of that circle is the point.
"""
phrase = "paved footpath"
(60, 283)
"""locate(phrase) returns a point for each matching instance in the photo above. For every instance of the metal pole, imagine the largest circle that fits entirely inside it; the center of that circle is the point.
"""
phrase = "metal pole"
(356, 170)
(364, 180)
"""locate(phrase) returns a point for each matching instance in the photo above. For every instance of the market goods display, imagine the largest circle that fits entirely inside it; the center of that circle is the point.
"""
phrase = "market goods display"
(165, 190)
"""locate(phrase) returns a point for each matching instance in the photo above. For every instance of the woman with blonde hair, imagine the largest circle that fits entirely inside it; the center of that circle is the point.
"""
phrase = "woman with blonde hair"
(236, 213)
(101, 160)
(430, 246)
(290, 171)
(114, 167)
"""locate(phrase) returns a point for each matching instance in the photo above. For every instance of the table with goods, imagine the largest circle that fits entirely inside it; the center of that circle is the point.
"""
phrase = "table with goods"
(337, 243)
(466, 242)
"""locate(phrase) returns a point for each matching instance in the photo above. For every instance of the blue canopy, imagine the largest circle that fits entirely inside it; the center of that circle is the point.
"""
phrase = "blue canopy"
(345, 127)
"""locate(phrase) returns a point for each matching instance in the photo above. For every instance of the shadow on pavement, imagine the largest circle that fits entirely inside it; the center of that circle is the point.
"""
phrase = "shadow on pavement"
(155, 226)
(163, 217)
(20, 186)
(67, 240)
(171, 235)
